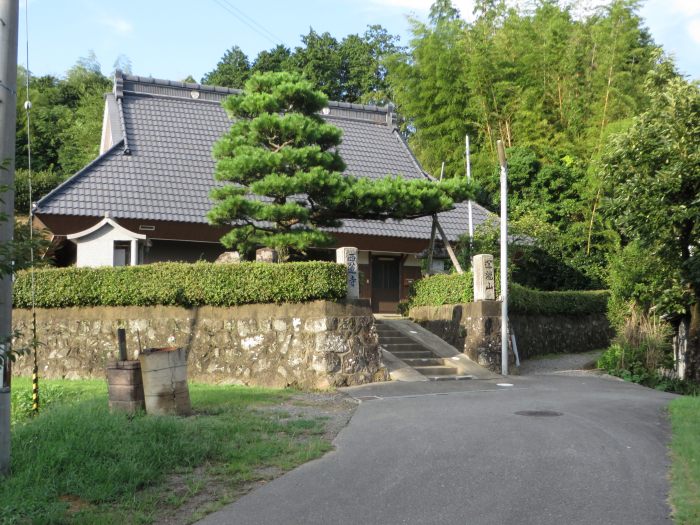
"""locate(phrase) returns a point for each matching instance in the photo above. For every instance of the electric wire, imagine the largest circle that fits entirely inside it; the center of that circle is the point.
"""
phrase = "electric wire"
(27, 108)
(248, 21)
(273, 36)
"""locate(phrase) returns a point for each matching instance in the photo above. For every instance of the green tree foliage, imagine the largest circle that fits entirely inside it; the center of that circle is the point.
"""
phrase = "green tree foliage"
(550, 85)
(652, 172)
(285, 178)
(66, 118)
(276, 59)
(232, 70)
(347, 70)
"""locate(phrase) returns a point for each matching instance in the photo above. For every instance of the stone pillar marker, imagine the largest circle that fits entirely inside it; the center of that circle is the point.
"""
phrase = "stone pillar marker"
(484, 278)
(348, 256)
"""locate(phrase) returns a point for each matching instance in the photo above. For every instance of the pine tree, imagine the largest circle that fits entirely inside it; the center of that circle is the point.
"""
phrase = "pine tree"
(283, 174)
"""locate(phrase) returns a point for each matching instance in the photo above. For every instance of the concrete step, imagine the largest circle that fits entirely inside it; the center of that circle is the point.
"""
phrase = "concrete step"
(449, 378)
(396, 338)
(411, 354)
(390, 333)
(436, 370)
(403, 346)
(424, 361)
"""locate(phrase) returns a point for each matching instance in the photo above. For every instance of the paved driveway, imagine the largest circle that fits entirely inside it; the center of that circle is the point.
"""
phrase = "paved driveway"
(459, 453)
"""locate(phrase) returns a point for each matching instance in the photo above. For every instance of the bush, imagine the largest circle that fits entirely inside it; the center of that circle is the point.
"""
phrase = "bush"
(181, 284)
(523, 300)
(638, 277)
(459, 288)
(442, 289)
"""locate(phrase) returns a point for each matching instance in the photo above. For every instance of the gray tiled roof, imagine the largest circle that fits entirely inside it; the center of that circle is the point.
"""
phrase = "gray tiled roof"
(169, 172)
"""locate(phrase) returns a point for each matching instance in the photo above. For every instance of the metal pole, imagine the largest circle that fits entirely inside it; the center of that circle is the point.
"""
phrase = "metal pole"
(9, 20)
(504, 258)
(469, 202)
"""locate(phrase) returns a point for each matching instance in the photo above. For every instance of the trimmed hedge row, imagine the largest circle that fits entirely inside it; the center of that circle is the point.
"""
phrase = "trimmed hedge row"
(181, 284)
(459, 288)
(523, 300)
(442, 289)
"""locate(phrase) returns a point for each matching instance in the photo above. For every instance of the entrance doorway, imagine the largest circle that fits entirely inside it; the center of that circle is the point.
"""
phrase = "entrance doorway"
(385, 283)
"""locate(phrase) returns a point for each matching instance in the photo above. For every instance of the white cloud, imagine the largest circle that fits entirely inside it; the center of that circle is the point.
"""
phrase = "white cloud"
(687, 7)
(693, 29)
(118, 25)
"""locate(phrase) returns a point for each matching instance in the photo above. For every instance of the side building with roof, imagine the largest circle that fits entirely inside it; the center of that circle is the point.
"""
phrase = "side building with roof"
(145, 198)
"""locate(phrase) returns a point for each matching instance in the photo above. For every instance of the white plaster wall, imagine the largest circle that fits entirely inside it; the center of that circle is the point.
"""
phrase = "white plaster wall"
(106, 141)
(97, 249)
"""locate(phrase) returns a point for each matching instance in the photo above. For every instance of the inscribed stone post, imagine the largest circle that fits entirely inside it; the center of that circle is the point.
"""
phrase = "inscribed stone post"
(348, 256)
(484, 278)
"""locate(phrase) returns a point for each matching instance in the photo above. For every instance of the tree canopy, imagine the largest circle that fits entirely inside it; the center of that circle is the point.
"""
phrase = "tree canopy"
(284, 173)
(652, 172)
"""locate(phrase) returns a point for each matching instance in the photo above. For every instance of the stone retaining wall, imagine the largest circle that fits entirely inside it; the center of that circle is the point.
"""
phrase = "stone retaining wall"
(535, 334)
(312, 345)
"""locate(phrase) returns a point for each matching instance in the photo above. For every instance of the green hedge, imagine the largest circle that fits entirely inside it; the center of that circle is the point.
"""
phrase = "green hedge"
(523, 300)
(181, 284)
(442, 289)
(455, 288)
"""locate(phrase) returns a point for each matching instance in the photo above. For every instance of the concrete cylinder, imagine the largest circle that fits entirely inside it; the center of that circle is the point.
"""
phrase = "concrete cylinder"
(164, 372)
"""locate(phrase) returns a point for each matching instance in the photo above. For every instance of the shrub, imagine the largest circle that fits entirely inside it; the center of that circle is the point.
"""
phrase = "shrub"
(642, 351)
(442, 289)
(523, 300)
(458, 288)
(639, 277)
(181, 284)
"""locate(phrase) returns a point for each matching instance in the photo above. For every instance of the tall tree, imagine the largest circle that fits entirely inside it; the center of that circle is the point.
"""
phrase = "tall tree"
(653, 172)
(232, 70)
(284, 173)
(276, 59)
(66, 118)
(427, 84)
(319, 61)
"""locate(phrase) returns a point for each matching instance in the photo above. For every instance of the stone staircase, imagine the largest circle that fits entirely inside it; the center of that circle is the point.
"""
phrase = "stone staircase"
(421, 358)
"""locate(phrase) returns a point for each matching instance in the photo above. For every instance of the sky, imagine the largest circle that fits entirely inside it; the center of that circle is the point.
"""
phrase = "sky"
(172, 39)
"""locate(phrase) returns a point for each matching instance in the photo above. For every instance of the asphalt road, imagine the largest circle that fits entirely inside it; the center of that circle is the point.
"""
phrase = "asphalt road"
(459, 453)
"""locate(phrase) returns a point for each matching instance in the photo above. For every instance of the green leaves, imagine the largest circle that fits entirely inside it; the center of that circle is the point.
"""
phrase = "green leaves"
(459, 288)
(282, 161)
(180, 284)
(652, 171)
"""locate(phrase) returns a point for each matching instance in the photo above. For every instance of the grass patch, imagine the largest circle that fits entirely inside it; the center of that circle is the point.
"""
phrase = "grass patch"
(78, 463)
(685, 453)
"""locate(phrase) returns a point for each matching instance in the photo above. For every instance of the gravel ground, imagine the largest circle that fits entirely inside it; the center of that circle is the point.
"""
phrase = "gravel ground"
(558, 363)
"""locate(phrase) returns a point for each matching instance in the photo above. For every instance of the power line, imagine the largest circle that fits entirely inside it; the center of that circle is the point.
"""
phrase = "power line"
(248, 21)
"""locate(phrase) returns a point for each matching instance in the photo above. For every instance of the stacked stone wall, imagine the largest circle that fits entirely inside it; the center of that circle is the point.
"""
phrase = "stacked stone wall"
(475, 328)
(311, 345)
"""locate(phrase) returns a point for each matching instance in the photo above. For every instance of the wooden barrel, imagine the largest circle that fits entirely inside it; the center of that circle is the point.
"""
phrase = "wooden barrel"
(125, 386)
(164, 372)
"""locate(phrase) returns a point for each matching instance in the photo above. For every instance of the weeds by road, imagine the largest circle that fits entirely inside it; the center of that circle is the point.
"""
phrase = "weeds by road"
(78, 463)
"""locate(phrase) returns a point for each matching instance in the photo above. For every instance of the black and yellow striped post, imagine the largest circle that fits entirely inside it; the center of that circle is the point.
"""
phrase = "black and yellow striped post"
(35, 389)
(35, 369)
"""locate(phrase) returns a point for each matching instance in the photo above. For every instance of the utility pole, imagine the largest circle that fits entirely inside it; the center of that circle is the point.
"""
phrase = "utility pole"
(9, 20)
(504, 258)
